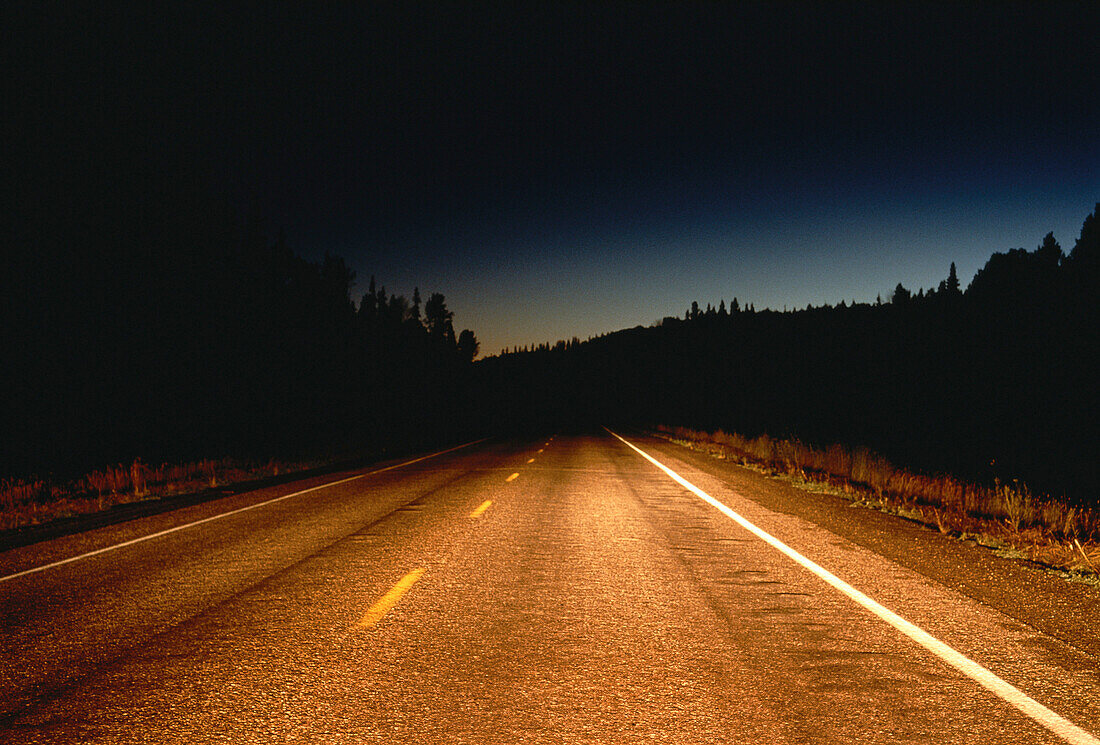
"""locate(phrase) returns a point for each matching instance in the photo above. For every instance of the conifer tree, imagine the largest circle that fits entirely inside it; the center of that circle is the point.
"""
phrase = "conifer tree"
(952, 286)
(437, 318)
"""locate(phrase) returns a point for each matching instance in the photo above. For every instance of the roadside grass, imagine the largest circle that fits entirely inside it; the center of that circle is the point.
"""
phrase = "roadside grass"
(39, 501)
(1006, 517)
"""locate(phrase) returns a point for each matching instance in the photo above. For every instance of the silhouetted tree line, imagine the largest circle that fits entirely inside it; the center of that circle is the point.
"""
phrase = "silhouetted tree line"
(183, 336)
(190, 337)
(997, 381)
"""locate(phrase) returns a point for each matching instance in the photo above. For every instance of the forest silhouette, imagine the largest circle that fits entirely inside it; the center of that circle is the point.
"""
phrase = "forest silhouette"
(220, 341)
(209, 340)
(994, 382)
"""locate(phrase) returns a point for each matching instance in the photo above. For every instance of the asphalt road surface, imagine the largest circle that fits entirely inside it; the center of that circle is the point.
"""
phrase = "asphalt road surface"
(559, 590)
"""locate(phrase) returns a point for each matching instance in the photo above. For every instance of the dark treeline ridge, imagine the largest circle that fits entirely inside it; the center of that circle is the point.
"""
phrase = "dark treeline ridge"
(188, 336)
(998, 381)
(185, 342)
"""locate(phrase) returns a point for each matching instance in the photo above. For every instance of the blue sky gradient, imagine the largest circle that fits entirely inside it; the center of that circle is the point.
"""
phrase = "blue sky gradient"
(568, 169)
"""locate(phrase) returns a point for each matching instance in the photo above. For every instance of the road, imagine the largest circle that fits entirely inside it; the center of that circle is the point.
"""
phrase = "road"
(559, 590)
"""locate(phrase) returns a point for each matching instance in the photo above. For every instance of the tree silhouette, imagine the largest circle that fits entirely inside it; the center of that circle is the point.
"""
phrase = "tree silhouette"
(415, 310)
(1049, 253)
(950, 286)
(369, 303)
(437, 318)
(468, 345)
(939, 380)
(1085, 256)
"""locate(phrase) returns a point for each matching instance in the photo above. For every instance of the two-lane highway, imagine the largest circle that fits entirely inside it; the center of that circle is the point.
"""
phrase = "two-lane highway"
(560, 590)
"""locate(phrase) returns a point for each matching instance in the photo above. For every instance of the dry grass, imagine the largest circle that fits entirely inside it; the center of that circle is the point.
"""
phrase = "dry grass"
(1006, 516)
(38, 501)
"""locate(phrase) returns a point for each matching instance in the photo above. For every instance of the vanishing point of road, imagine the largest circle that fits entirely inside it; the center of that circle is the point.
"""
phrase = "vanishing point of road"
(569, 589)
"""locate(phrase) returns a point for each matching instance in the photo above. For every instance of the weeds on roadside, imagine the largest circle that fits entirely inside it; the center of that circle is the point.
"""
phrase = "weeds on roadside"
(1006, 515)
(41, 500)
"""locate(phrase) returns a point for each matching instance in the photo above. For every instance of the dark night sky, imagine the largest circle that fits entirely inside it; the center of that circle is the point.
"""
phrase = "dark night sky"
(561, 169)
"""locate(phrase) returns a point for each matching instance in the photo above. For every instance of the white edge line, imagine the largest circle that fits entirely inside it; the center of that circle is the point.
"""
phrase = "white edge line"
(227, 514)
(1054, 722)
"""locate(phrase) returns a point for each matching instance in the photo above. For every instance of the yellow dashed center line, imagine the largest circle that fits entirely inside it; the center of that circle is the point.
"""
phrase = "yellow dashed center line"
(387, 601)
(530, 461)
(513, 477)
(484, 506)
(540, 450)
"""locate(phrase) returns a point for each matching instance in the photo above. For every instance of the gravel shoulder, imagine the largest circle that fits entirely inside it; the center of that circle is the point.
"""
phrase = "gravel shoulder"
(1023, 590)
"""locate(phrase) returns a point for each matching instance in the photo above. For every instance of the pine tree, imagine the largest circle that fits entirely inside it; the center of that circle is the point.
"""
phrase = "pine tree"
(437, 318)
(952, 286)
(1087, 249)
(370, 300)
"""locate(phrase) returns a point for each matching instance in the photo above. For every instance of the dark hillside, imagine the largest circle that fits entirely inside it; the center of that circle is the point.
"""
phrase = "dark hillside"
(185, 336)
(998, 381)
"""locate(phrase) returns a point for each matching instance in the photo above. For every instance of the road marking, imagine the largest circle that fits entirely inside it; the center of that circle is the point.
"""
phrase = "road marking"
(540, 450)
(530, 461)
(1029, 706)
(513, 477)
(387, 601)
(484, 506)
(231, 512)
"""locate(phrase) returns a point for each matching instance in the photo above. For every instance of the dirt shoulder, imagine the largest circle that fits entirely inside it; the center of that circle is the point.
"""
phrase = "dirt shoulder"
(1023, 590)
